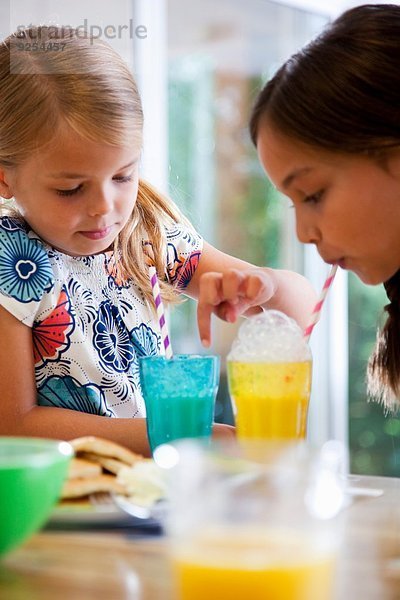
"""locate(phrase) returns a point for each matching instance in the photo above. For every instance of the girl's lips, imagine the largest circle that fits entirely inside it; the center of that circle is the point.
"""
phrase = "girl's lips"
(98, 234)
(341, 262)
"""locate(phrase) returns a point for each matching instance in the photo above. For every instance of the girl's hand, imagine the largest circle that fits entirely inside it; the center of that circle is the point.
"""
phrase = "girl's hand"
(231, 294)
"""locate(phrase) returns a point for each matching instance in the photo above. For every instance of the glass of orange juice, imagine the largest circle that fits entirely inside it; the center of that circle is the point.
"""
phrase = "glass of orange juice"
(265, 527)
(269, 376)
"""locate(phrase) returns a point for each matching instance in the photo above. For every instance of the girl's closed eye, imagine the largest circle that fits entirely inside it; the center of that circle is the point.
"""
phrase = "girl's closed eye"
(71, 192)
(123, 179)
(314, 198)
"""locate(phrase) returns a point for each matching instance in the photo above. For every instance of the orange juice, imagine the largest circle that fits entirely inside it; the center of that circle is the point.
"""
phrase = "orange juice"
(270, 398)
(256, 567)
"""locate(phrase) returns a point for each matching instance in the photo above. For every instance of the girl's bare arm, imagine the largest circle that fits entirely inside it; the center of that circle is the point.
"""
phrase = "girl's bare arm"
(19, 413)
(229, 287)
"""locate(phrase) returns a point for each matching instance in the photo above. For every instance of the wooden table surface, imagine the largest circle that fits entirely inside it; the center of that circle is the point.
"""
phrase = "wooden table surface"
(125, 564)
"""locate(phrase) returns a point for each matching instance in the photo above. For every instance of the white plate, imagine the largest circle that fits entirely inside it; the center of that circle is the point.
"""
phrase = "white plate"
(156, 512)
(100, 509)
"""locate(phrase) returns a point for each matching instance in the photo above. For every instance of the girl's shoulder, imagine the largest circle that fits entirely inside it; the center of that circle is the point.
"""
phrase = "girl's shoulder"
(10, 223)
(25, 269)
(181, 234)
(184, 248)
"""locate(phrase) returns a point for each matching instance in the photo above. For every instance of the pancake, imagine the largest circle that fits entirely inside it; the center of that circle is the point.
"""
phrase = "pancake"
(76, 488)
(109, 464)
(95, 466)
(102, 447)
(81, 468)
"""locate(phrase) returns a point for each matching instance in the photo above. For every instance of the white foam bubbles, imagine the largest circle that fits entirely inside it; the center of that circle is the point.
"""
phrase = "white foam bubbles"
(270, 336)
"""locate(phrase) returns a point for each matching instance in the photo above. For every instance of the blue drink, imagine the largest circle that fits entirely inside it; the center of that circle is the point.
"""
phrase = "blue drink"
(179, 395)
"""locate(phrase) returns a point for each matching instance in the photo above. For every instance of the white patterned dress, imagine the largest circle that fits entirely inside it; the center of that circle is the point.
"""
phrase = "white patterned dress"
(88, 326)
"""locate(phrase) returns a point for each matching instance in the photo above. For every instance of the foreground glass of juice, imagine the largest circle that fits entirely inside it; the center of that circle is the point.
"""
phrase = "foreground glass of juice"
(269, 376)
(261, 528)
(179, 395)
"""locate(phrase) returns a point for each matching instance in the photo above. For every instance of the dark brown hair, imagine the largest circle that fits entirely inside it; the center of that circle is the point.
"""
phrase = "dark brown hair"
(342, 93)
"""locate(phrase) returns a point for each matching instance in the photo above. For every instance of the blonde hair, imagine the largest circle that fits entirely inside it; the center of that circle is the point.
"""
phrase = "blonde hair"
(87, 87)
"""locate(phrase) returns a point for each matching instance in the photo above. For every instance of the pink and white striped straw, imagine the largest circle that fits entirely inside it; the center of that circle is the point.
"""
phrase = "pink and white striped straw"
(160, 311)
(316, 313)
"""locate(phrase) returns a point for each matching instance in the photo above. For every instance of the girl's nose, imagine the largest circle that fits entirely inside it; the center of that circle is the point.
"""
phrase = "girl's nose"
(101, 203)
(307, 232)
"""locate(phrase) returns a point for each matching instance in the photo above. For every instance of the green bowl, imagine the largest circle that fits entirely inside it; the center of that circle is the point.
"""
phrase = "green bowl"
(32, 471)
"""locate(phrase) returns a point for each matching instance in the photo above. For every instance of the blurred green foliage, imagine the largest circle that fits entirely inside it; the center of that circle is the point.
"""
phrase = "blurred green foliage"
(374, 435)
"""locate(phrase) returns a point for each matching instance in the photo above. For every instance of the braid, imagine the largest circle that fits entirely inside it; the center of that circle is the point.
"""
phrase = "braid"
(384, 364)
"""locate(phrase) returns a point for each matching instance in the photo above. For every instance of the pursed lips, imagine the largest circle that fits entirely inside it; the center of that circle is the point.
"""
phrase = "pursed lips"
(333, 261)
(341, 262)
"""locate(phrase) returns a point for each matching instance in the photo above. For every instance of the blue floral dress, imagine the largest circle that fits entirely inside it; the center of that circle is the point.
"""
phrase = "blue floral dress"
(88, 325)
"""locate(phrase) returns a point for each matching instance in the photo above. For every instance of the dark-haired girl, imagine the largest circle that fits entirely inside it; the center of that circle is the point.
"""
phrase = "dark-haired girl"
(327, 131)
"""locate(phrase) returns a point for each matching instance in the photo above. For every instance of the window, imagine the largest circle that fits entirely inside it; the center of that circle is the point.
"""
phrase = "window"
(218, 56)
